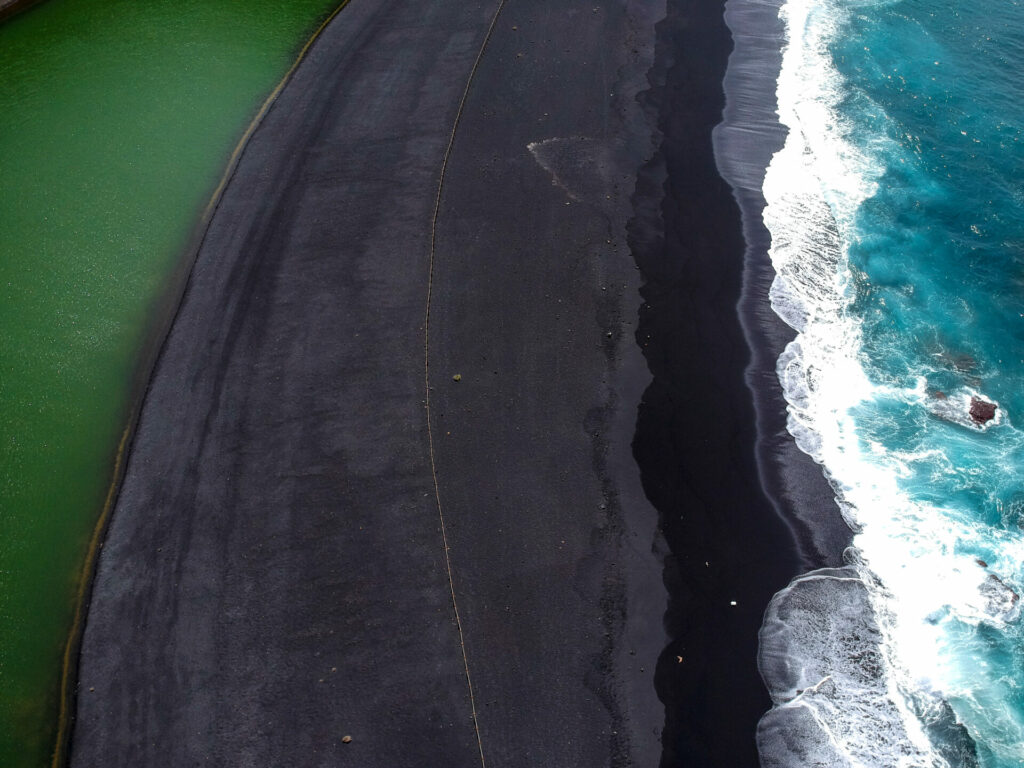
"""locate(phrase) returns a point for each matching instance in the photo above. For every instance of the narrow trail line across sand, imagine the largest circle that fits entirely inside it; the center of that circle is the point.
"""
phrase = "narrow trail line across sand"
(426, 369)
(73, 642)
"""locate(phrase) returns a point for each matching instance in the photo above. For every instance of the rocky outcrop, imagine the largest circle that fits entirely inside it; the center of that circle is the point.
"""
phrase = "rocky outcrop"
(982, 411)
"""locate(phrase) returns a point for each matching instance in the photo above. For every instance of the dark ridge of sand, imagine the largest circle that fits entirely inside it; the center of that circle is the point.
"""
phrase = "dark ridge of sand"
(697, 427)
(273, 577)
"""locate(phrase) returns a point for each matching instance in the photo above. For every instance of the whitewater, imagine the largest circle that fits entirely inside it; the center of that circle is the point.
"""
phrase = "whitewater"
(897, 242)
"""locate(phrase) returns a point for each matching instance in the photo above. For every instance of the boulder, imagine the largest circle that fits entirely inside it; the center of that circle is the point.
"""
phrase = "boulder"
(982, 411)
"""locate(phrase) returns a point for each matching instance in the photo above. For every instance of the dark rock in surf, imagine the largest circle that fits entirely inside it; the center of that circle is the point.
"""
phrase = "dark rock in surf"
(982, 411)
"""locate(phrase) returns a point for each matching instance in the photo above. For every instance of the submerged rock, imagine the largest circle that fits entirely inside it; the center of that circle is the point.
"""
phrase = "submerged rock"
(1001, 600)
(964, 407)
(964, 363)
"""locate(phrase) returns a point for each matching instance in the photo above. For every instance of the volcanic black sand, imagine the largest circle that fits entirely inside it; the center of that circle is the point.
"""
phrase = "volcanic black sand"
(745, 141)
(274, 576)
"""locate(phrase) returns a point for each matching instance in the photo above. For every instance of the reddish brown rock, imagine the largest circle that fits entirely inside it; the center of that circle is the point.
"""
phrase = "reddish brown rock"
(982, 411)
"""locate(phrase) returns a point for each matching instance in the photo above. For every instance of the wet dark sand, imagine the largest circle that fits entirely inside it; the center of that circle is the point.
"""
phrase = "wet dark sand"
(744, 144)
(697, 427)
(749, 135)
(274, 575)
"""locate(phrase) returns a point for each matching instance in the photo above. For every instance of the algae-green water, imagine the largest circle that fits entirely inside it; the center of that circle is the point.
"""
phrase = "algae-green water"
(117, 118)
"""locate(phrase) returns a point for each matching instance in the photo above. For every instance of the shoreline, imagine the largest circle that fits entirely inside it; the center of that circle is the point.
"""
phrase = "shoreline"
(837, 623)
(745, 141)
(795, 652)
(731, 546)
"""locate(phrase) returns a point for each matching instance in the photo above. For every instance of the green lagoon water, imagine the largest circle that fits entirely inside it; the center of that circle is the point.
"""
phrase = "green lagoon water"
(117, 118)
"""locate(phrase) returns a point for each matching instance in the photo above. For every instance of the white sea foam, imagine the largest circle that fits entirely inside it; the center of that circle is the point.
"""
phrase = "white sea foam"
(829, 680)
(915, 564)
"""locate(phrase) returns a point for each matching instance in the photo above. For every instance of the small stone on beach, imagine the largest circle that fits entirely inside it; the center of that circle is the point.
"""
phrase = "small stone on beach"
(457, 377)
(346, 739)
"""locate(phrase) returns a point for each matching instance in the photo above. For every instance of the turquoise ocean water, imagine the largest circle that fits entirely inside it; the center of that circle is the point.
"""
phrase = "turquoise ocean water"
(896, 210)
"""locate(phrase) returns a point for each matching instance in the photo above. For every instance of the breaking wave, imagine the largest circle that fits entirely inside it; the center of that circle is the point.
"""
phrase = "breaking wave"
(910, 654)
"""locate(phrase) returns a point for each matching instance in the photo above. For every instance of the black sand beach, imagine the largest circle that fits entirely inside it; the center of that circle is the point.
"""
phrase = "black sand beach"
(744, 142)
(794, 635)
(698, 427)
(274, 576)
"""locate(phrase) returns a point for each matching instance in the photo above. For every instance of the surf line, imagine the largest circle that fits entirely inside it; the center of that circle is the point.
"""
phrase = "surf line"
(426, 370)
(73, 644)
